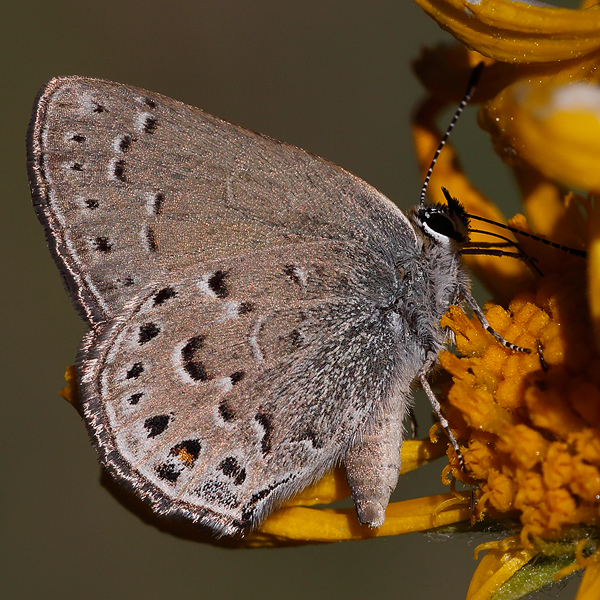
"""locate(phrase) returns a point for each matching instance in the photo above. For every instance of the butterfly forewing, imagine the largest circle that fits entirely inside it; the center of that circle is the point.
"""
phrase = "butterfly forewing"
(131, 185)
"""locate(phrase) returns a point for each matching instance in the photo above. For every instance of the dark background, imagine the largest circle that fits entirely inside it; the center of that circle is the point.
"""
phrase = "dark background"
(330, 76)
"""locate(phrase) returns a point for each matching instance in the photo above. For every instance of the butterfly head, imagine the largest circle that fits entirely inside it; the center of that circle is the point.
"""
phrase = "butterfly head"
(443, 224)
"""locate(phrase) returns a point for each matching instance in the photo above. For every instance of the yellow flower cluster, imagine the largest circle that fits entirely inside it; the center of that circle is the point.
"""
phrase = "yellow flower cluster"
(531, 422)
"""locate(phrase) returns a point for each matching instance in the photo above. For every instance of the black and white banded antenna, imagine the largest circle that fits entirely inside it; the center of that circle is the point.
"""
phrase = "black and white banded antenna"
(475, 75)
(473, 81)
(537, 238)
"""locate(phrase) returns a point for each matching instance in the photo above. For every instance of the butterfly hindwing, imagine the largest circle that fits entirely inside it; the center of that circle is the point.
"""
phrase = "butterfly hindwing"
(260, 383)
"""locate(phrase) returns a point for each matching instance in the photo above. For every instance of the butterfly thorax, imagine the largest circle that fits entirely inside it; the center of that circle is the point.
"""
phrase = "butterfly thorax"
(438, 278)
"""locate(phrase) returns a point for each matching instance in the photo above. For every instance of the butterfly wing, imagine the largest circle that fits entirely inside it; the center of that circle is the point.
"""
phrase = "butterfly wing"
(220, 391)
(131, 185)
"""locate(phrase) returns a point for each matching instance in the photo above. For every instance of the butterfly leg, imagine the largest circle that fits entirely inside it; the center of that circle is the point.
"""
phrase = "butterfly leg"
(472, 304)
(373, 463)
(443, 421)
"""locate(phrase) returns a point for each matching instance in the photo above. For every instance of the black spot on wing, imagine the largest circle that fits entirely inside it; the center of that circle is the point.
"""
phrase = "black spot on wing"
(163, 295)
(245, 307)
(266, 422)
(181, 456)
(187, 451)
(169, 472)
(292, 273)
(194, 368)
(150, 124)
(92, 203)
(119, 170)
(102, 244)
(232, 468)
(135, 398)
(193, 345)
(226, 412)
(125, 142)
(216, 284)
(157, 425)
(78, 138)
(237, 377)
(149, 102)
(147, 332)
(99, 108)
(77, 167)
(295, 338)
(229, 466)
(157, 204)
(151, 239)
(135, 370)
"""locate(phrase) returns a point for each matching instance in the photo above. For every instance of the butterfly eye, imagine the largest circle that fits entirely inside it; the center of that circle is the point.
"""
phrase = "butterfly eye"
(441, 224)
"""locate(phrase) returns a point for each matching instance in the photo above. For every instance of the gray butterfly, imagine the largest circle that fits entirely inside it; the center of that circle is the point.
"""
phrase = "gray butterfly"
(257, 314)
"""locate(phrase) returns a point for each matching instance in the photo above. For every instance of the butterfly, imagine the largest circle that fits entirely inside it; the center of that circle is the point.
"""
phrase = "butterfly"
(257, 315)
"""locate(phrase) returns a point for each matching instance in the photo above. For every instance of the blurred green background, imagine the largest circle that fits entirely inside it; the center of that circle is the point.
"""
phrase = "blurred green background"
(330, 76)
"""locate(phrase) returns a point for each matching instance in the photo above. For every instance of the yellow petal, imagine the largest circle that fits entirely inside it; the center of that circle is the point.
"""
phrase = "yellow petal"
(333, 486)
(298, 524)
(594, 273)
(590, 584)
(517, 32)
(495, 568)
(416, 453)
(543, 201)
(558, 131)
(551, 122)
(329, 488)
(69, 392)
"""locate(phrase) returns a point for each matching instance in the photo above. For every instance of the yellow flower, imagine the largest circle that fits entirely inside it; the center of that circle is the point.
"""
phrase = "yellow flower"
(516, 32)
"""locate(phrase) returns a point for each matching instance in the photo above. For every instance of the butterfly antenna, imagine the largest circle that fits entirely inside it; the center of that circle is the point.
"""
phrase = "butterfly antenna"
(475, 75)
(537, 238)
